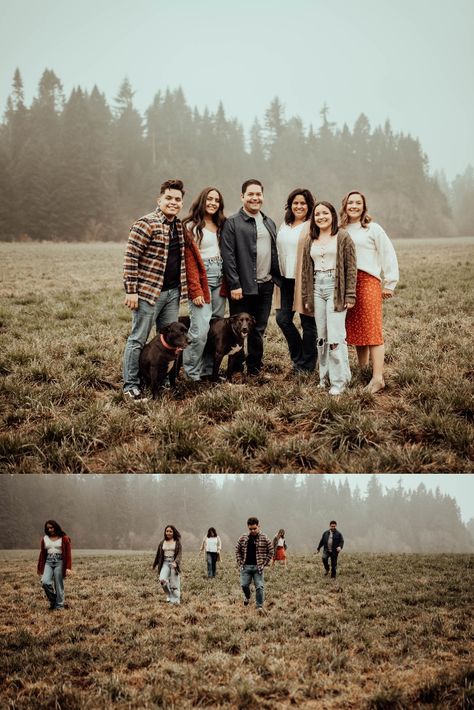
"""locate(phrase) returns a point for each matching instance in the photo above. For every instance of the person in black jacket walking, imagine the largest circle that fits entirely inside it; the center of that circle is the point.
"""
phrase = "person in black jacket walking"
(250, 260)
(332, 543)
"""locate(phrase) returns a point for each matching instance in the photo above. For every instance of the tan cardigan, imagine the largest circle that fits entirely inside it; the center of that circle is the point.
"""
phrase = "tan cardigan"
(346, 274)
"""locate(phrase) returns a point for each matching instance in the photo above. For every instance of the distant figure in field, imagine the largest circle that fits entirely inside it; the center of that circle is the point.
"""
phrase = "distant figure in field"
(249, 253)
(168, 561)
(206, 289)
(299, 208)
(325, 285)
(253, 553)
(211, 546)
(332, 543)
(279, 547)
(375, 254)
(154, 277)
(54, 563)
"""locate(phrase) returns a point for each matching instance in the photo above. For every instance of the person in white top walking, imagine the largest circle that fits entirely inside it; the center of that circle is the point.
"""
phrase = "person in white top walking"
(211, 546)
(375, 256)
(206, 292)
(299, 207)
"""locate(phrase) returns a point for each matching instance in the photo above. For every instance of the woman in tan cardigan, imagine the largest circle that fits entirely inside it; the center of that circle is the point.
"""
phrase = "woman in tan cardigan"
(326, 273)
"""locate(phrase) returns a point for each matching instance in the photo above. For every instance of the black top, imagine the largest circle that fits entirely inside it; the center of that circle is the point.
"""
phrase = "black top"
(251, 556)
(172, 276)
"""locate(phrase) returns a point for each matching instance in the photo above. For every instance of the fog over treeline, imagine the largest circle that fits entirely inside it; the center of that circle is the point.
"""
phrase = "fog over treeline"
(78, 169)
(131, 511)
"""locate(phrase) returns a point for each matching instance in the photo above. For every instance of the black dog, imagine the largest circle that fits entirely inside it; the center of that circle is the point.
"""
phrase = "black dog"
(158, 357)
(228, 336)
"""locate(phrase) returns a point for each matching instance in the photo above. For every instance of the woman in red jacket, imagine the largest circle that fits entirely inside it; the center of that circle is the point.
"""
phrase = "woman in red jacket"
(54, 563)
(206, 292)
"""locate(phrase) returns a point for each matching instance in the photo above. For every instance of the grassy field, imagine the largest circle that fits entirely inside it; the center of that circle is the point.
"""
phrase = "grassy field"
(63, 329)
(392, 632)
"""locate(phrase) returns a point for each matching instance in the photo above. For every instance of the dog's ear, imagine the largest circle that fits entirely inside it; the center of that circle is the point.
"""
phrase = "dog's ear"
(166, 329)
(252, 320)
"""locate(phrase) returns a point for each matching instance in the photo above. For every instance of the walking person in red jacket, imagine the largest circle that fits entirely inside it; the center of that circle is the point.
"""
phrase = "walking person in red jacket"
(206, 292)
(54, 563)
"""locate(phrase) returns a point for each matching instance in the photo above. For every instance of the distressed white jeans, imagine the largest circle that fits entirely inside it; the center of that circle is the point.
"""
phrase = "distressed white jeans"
(333, 357)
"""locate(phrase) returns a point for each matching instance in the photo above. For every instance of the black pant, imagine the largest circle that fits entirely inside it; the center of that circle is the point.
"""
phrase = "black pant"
(259, 306)
(333, 557)
(302, 348)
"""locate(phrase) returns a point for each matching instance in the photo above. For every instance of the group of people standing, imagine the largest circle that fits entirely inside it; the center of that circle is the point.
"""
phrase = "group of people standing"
(333, 270)
(254, 551)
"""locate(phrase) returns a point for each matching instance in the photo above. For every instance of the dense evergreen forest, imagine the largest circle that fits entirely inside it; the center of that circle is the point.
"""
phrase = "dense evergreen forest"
(77, 169)
(130, 511)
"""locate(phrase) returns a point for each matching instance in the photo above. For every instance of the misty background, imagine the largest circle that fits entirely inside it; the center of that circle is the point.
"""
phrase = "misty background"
(131, 511)
(372, 95)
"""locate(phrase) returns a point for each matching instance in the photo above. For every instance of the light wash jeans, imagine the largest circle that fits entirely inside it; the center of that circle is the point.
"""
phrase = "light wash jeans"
(164, 311)
(53, 572)
(196, 364)
(247, 573)
(331, 328)
(171, 582)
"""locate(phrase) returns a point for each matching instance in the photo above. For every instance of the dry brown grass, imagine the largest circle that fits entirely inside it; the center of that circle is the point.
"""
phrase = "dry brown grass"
(62, 332)
(393, 631)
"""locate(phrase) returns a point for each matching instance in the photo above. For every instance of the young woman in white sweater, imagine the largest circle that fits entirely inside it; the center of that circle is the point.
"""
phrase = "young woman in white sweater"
(375, 256)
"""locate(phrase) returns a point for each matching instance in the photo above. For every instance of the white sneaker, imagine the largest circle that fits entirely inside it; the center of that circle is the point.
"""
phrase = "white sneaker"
(335, 391)
(134, 395)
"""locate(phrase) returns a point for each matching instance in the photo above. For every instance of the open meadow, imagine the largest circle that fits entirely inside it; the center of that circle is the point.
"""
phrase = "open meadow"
(391, 632)
(63, 327)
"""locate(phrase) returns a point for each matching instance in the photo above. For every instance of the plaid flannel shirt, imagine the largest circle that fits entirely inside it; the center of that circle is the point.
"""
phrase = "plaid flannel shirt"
(147, 254)
(263, 550)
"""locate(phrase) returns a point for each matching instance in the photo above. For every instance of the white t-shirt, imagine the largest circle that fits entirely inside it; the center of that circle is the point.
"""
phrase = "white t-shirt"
(281, 542)
(375, 253)
(209, 247)
(287, 246)
(53, 547)
(212, 544)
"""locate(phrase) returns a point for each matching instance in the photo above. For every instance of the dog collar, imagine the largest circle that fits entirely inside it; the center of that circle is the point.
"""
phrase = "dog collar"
(168, 347)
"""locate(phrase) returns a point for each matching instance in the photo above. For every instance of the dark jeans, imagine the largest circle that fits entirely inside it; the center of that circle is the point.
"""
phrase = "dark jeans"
(333, 557)
(302, 348)
(211, 558)
(259, 306)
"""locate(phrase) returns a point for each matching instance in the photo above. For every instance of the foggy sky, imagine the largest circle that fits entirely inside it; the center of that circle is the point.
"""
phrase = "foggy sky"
(411, 62)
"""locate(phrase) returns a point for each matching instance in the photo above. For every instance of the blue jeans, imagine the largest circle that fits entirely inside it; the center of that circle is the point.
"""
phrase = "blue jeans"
(331, 324)
(259, 306)
(211, 559)
(170, 582)
(302, 347)
(164, 311)
(247, 573)
(196, 363)
(53, 572)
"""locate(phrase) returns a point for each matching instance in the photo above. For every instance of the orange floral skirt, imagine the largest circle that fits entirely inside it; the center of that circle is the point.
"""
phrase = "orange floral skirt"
(364, 321)
(280, 553)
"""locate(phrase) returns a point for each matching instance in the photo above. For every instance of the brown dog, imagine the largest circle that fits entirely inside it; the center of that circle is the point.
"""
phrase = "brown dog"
(228, 336)
(158, 357)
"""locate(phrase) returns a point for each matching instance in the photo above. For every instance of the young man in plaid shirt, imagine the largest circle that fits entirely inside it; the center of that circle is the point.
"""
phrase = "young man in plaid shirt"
(253, 552)
(154, 277)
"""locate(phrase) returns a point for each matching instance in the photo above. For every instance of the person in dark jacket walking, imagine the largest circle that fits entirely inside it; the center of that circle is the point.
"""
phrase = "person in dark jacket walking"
(250, 260)
(168, 561)
(332, 543)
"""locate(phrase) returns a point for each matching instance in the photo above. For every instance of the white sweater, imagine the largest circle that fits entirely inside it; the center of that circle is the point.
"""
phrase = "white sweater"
(375, 252)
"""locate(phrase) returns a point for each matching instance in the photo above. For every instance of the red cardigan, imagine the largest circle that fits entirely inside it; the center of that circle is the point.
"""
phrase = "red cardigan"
(65, 551)
(196, 272)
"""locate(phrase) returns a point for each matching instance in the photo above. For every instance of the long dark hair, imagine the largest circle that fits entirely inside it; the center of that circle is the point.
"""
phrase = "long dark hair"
(197, 212)
(365, 217)
(57, 528)
(313, 227)
(211, 532)
(176, 533)
(304, 192)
